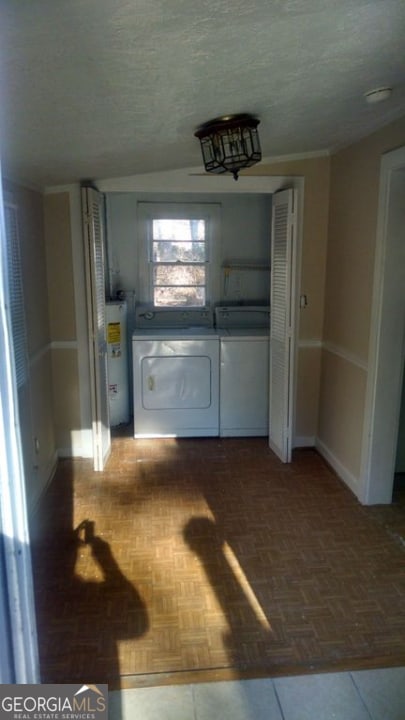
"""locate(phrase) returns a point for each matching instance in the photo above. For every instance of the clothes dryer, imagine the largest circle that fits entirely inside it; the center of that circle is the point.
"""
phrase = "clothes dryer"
(176, 376)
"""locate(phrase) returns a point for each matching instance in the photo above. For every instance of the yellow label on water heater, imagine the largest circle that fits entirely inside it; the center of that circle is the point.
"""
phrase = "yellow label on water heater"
(114, 333)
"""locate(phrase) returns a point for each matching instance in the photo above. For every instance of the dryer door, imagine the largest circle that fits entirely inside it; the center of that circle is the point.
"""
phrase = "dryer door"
(176, 383)
(176, 387)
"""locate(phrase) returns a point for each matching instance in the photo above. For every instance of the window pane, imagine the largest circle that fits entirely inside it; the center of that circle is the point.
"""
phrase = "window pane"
(179, 275)
(179, 259)
(170, 251)
(178, 229)
(181, 296)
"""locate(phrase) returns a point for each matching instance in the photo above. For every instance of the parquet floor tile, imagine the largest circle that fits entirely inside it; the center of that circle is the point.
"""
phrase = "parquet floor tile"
(201, 554)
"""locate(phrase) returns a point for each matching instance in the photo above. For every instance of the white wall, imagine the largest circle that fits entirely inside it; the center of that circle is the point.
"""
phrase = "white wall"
(244, 235)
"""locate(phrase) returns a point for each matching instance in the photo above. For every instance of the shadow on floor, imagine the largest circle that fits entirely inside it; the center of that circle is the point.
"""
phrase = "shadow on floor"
(248, 625)
(84, 603)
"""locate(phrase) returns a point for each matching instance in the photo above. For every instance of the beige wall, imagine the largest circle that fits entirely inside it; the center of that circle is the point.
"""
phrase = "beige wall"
(355, 174)
(36, 412)
(66, 398)
(50, 407)
(315, 172)
(61, 298)
(60, 266)
(307, 395)
(342, 396)
(354, 187)
(337, 266)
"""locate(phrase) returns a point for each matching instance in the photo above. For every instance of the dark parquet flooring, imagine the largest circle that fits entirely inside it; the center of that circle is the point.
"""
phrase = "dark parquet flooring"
(208, 554)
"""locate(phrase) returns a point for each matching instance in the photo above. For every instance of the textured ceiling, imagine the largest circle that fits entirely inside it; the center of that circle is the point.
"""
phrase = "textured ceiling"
(107, 88)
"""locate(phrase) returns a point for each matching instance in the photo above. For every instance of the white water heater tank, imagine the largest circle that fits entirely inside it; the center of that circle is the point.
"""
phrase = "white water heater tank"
(117, 362)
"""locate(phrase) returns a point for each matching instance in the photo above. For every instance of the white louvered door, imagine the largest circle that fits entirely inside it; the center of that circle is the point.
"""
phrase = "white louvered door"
(282, 330)
(19, 334)
(93, 216)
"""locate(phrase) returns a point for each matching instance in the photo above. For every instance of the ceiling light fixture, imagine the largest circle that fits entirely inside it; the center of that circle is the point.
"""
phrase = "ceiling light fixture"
(230, 143)
(378, 95)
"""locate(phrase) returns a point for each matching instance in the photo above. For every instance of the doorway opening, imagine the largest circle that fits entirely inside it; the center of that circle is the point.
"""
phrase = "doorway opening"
(249, 185)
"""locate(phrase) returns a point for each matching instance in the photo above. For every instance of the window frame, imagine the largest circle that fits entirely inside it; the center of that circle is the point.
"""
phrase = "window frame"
(149, 211)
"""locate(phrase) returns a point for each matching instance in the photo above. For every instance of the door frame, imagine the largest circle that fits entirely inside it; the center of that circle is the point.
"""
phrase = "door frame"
(385, 373)
(191, 181)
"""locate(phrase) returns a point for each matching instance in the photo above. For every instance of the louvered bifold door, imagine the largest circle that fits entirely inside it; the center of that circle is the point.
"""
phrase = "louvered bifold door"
(282, 332)
(93, 216)
(19, 335)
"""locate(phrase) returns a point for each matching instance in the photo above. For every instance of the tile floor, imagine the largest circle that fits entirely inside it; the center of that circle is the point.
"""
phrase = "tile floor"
(361, 695)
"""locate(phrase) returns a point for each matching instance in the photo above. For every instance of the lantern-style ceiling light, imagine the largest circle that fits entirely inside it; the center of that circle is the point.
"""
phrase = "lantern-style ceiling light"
(230, 143)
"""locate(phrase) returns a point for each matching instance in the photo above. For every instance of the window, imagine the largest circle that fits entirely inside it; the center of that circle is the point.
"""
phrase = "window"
(177, 247)
(179, 257)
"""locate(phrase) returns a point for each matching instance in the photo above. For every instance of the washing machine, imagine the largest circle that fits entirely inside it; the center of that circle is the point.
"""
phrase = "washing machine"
(176, 374)
(244, 370)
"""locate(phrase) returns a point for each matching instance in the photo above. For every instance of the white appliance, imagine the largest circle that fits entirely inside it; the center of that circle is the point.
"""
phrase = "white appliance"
(244, 370)
(176, 373)
(117, 362)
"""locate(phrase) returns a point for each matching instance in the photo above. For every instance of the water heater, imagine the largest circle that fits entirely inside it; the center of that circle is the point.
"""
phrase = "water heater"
(117, 362)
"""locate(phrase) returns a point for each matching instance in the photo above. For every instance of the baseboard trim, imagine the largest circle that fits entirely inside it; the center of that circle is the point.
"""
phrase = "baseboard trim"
(244, 432)
(77, 452)
(343, 473)
(66, 453)
(304, 441)
(49, 475)
(80, 446)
